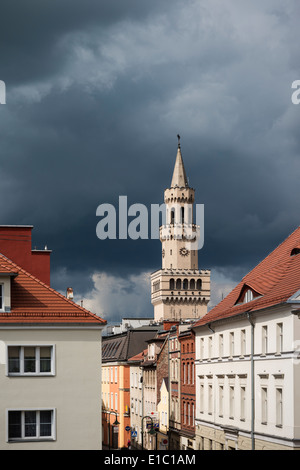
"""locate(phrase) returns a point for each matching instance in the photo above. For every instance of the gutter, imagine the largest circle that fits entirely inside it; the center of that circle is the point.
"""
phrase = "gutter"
(252, 380)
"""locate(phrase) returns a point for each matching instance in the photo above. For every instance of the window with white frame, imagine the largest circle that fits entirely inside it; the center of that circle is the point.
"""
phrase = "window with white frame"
(248, 296)
(279, 407)
(264, 405)
(201, 349)
(31, 360)
(210, 399)
(279, 338)
(243, 403)
(231, 402)
(264, 339)
(210, 347)
(201, 404)
(221, 345)
(231, 344)
(243, 342)
(221, 400)
(30, 424)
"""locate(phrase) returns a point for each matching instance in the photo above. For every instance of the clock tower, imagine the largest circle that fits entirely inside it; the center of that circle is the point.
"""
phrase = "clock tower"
(179, 290)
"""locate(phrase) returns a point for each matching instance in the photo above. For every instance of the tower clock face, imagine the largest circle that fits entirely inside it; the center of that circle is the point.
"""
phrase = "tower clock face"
(183, 251)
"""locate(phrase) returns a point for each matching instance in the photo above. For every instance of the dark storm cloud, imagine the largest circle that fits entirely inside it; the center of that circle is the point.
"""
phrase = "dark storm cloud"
(96, 94)
(31, 31)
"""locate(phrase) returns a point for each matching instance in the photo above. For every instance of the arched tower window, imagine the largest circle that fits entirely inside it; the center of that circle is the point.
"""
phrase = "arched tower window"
(172, 284)
(178, 284)
(199, 284)
(185, 284)
(172, 216)
(192, 284)
(182, 214)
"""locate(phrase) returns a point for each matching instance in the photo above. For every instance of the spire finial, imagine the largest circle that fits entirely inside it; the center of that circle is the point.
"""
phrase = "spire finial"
(178, 137)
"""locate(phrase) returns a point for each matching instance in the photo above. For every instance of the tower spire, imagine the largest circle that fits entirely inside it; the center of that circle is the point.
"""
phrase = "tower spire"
(179, 178)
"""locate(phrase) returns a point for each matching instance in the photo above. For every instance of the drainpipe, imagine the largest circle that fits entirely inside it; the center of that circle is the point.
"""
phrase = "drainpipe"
(252, 380)
(169, 404)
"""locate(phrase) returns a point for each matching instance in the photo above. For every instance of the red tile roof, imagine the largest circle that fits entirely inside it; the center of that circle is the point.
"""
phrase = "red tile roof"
(32, 301)
(138, 357)
(276, 279)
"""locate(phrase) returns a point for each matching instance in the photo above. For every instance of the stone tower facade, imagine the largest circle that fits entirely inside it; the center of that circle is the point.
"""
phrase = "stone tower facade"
(179, 290)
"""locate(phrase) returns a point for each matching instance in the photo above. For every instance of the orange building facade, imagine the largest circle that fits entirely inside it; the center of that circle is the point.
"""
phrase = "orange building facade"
(116, 350)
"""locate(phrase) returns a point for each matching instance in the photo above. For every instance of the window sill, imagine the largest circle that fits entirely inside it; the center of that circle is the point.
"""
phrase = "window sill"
(31, 439)
(31, 374)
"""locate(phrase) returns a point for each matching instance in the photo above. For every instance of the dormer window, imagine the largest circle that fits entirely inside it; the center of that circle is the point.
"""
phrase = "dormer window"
(295, 251)
(5, 290)
(247, 295)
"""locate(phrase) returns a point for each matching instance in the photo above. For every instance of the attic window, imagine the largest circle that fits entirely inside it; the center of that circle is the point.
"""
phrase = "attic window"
(295, 251)
(247, 295)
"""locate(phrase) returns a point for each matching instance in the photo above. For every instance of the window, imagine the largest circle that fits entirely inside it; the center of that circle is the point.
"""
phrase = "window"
(30, 424)
(201, 349)
(264, 339)
(231, 344)
(221, 400)
(201, 398)
(243, 403)
(209, 347)
(279, 338)
(231, 402)
(31, 360)
(116, 374)
(248, 296)
(243, 342)
(210, 399)
(221, 345)
(264, 405)
(279, 407)
(116, 401)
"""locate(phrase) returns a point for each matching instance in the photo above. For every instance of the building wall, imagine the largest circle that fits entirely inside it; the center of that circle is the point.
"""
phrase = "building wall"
(188, 389)
(150, 403)
(116, 385)
(136, 407)
(163, 414)
(74, 392)
(223, 383)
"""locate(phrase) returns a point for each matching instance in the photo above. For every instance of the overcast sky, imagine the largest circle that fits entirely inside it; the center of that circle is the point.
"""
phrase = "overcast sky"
(96, 93)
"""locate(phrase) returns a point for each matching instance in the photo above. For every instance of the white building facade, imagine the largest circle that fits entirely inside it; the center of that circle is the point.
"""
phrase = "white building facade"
(247, 364)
